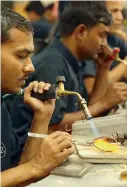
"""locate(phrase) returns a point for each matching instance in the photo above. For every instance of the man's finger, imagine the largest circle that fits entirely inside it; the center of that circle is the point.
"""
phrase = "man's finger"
(47, 86)
(41, 87)
(27, 90)
(65, 144)
(57, 134)
(35, 86)
(67, 152)
(61, 138)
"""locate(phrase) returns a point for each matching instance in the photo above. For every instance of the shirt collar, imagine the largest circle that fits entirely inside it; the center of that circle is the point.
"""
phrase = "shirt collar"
(72, 60)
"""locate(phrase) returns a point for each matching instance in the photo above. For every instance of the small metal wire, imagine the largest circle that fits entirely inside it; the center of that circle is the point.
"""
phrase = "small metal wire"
(67, 130)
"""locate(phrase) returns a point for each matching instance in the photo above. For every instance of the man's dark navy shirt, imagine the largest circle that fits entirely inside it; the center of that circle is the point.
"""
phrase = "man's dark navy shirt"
(10, 147)
(55, 60)
(113, 41)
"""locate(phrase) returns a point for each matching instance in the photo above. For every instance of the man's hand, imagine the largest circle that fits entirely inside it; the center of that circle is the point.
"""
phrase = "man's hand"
(54, 149)
(36, 104)
(42, 114)
(105, 57)
(125, 74)
(116, 93)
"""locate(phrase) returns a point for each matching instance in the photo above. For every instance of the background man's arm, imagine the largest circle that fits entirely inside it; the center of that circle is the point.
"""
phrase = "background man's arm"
(116, 93)
(116, 74)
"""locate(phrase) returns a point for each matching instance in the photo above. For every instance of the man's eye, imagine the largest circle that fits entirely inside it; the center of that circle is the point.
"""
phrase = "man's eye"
(103, 35)
(21, 57)
(115, 10)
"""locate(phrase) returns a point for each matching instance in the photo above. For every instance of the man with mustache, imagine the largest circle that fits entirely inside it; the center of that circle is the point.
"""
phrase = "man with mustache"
(22, 166)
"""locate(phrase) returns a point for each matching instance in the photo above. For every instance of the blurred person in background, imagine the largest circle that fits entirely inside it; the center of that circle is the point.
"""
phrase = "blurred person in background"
(34, 10)
(125, 18)
(116, 38)
(41, 24)
(116, 9)
(42, 19)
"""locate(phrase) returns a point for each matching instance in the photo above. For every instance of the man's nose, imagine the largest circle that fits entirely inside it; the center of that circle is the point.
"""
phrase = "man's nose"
(28, 67)
(104, 42)
(120, 16)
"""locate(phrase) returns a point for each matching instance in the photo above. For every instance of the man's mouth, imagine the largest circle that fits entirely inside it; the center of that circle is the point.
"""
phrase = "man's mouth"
(99, 51)
(23, 78)
(118, 25)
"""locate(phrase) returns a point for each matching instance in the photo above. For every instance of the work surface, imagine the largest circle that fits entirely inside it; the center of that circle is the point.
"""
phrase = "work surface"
(102, 175)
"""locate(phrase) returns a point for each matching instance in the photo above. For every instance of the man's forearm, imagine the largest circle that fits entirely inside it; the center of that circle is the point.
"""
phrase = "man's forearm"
(96, 110)
(117, 73)
(19, 176)
(39, 125)
(101, 84)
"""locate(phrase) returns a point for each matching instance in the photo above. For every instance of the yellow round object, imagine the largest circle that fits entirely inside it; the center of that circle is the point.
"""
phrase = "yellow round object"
(105, 144)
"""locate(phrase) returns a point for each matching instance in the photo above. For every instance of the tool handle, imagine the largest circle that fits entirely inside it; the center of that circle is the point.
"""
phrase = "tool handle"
(49, 94)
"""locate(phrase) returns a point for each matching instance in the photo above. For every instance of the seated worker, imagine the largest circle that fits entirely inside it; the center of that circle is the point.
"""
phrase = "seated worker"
(118, 71)
(41, 18)
(34, 10)
(38, 157)
(83, 30)
(116, 9)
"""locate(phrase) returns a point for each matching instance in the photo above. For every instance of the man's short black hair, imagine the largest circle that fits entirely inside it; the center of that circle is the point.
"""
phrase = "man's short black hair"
(35, 6)
(89, 13)
(11, 19)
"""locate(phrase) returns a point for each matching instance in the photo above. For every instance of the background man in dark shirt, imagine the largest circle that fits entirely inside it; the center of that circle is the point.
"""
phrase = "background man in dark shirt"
(38, 157)
(116, 38)
(83, 30)
(42, 19)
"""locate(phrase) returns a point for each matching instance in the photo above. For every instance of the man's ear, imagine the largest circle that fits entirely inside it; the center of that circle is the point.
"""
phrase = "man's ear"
(80, 31)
